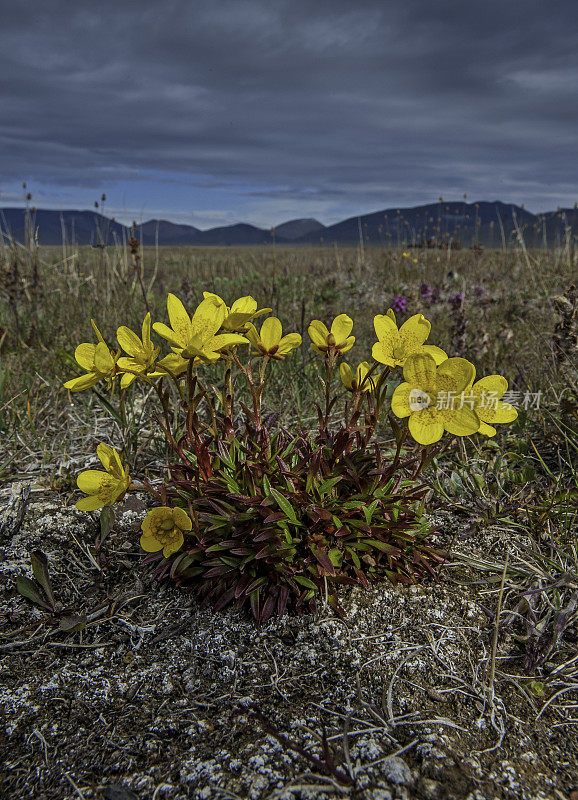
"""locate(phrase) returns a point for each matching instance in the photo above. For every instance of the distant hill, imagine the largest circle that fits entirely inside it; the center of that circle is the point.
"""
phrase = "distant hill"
(491, 223)
(81, 227)
(486, 222)
(297, 228)
(235, 234)
(166, 233)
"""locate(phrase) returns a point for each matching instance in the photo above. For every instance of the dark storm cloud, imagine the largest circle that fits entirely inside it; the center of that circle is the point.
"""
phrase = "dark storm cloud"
(362, 104)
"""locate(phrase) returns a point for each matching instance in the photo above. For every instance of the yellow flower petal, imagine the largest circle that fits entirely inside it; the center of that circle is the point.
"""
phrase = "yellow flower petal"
(486, 430)
(252, 335)
(174, 364)
(208, 318)
(168, 334)
(182, 519)
(84, 355)
(90, 503)
(271, 332)
(222, 341)
(92, 481)
(382, 352)
(455, 375)
(83, 382)
(244, 305)
(99, 335)
(128, 340)
(288, 343)
(400, 400)
(505, 412)
(461, 422)
(146, 331)
(242, 310)
(106, 455)
(173, 546)
(103, 360)
(438, 355)
(179, 319)
(347, 344)
(126, 380)
(219, 300)
(415, 329)
(149, 544)
(360, 373)
(346, 375)
(496, 384)
(385, 327)
(341, 328)
(420, 370)
(318, 333)
(426, 426)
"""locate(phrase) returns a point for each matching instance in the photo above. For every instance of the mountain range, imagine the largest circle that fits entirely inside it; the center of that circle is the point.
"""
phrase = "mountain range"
(493, 224)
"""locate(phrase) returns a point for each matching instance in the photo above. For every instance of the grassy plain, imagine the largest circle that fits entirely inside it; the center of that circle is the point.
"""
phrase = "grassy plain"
(49, 295)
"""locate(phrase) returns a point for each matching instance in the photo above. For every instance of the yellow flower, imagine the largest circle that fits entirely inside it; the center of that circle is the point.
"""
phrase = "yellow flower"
(271, 342)
(174, 364)
(197, 337)
(338, 339)
(103, 487)
(488, 405)
(394, 345)
(355, 383)
(405, 255)
(431, 397)
(97, 359)
(243, 310)
(163, 529)
(142, 354)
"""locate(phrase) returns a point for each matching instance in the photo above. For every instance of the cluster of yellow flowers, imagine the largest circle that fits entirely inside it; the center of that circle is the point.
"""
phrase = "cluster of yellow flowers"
(215, 329)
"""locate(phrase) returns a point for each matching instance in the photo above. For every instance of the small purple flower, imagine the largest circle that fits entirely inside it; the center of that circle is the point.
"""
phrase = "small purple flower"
(456, 301)
(435, 296)
(479, 292)
(425, 291)
(399, 304)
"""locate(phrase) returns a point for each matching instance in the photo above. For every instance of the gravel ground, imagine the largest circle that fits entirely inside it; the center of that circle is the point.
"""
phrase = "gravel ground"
(156, 698)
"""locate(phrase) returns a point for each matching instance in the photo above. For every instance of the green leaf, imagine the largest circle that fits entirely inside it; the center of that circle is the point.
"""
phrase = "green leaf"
(31, 591)
(107, 520)
(337, 522)
(232, 484)
(385, 548)
(326, 486)
(537, 688)
(368, 511)
(40, 569)
(305, 582)
(109, 407)
(354, 557)
(72, 623)
(336, 557)
(266, 485)
(285, 506)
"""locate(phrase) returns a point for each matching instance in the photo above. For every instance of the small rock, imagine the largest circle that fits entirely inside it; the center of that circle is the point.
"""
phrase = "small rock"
(396, 771)
(114, 792)
(379, 794)
(431, 790)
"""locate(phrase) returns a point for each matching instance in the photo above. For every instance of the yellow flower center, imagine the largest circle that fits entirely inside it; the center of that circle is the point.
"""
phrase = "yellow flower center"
(166, 532)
